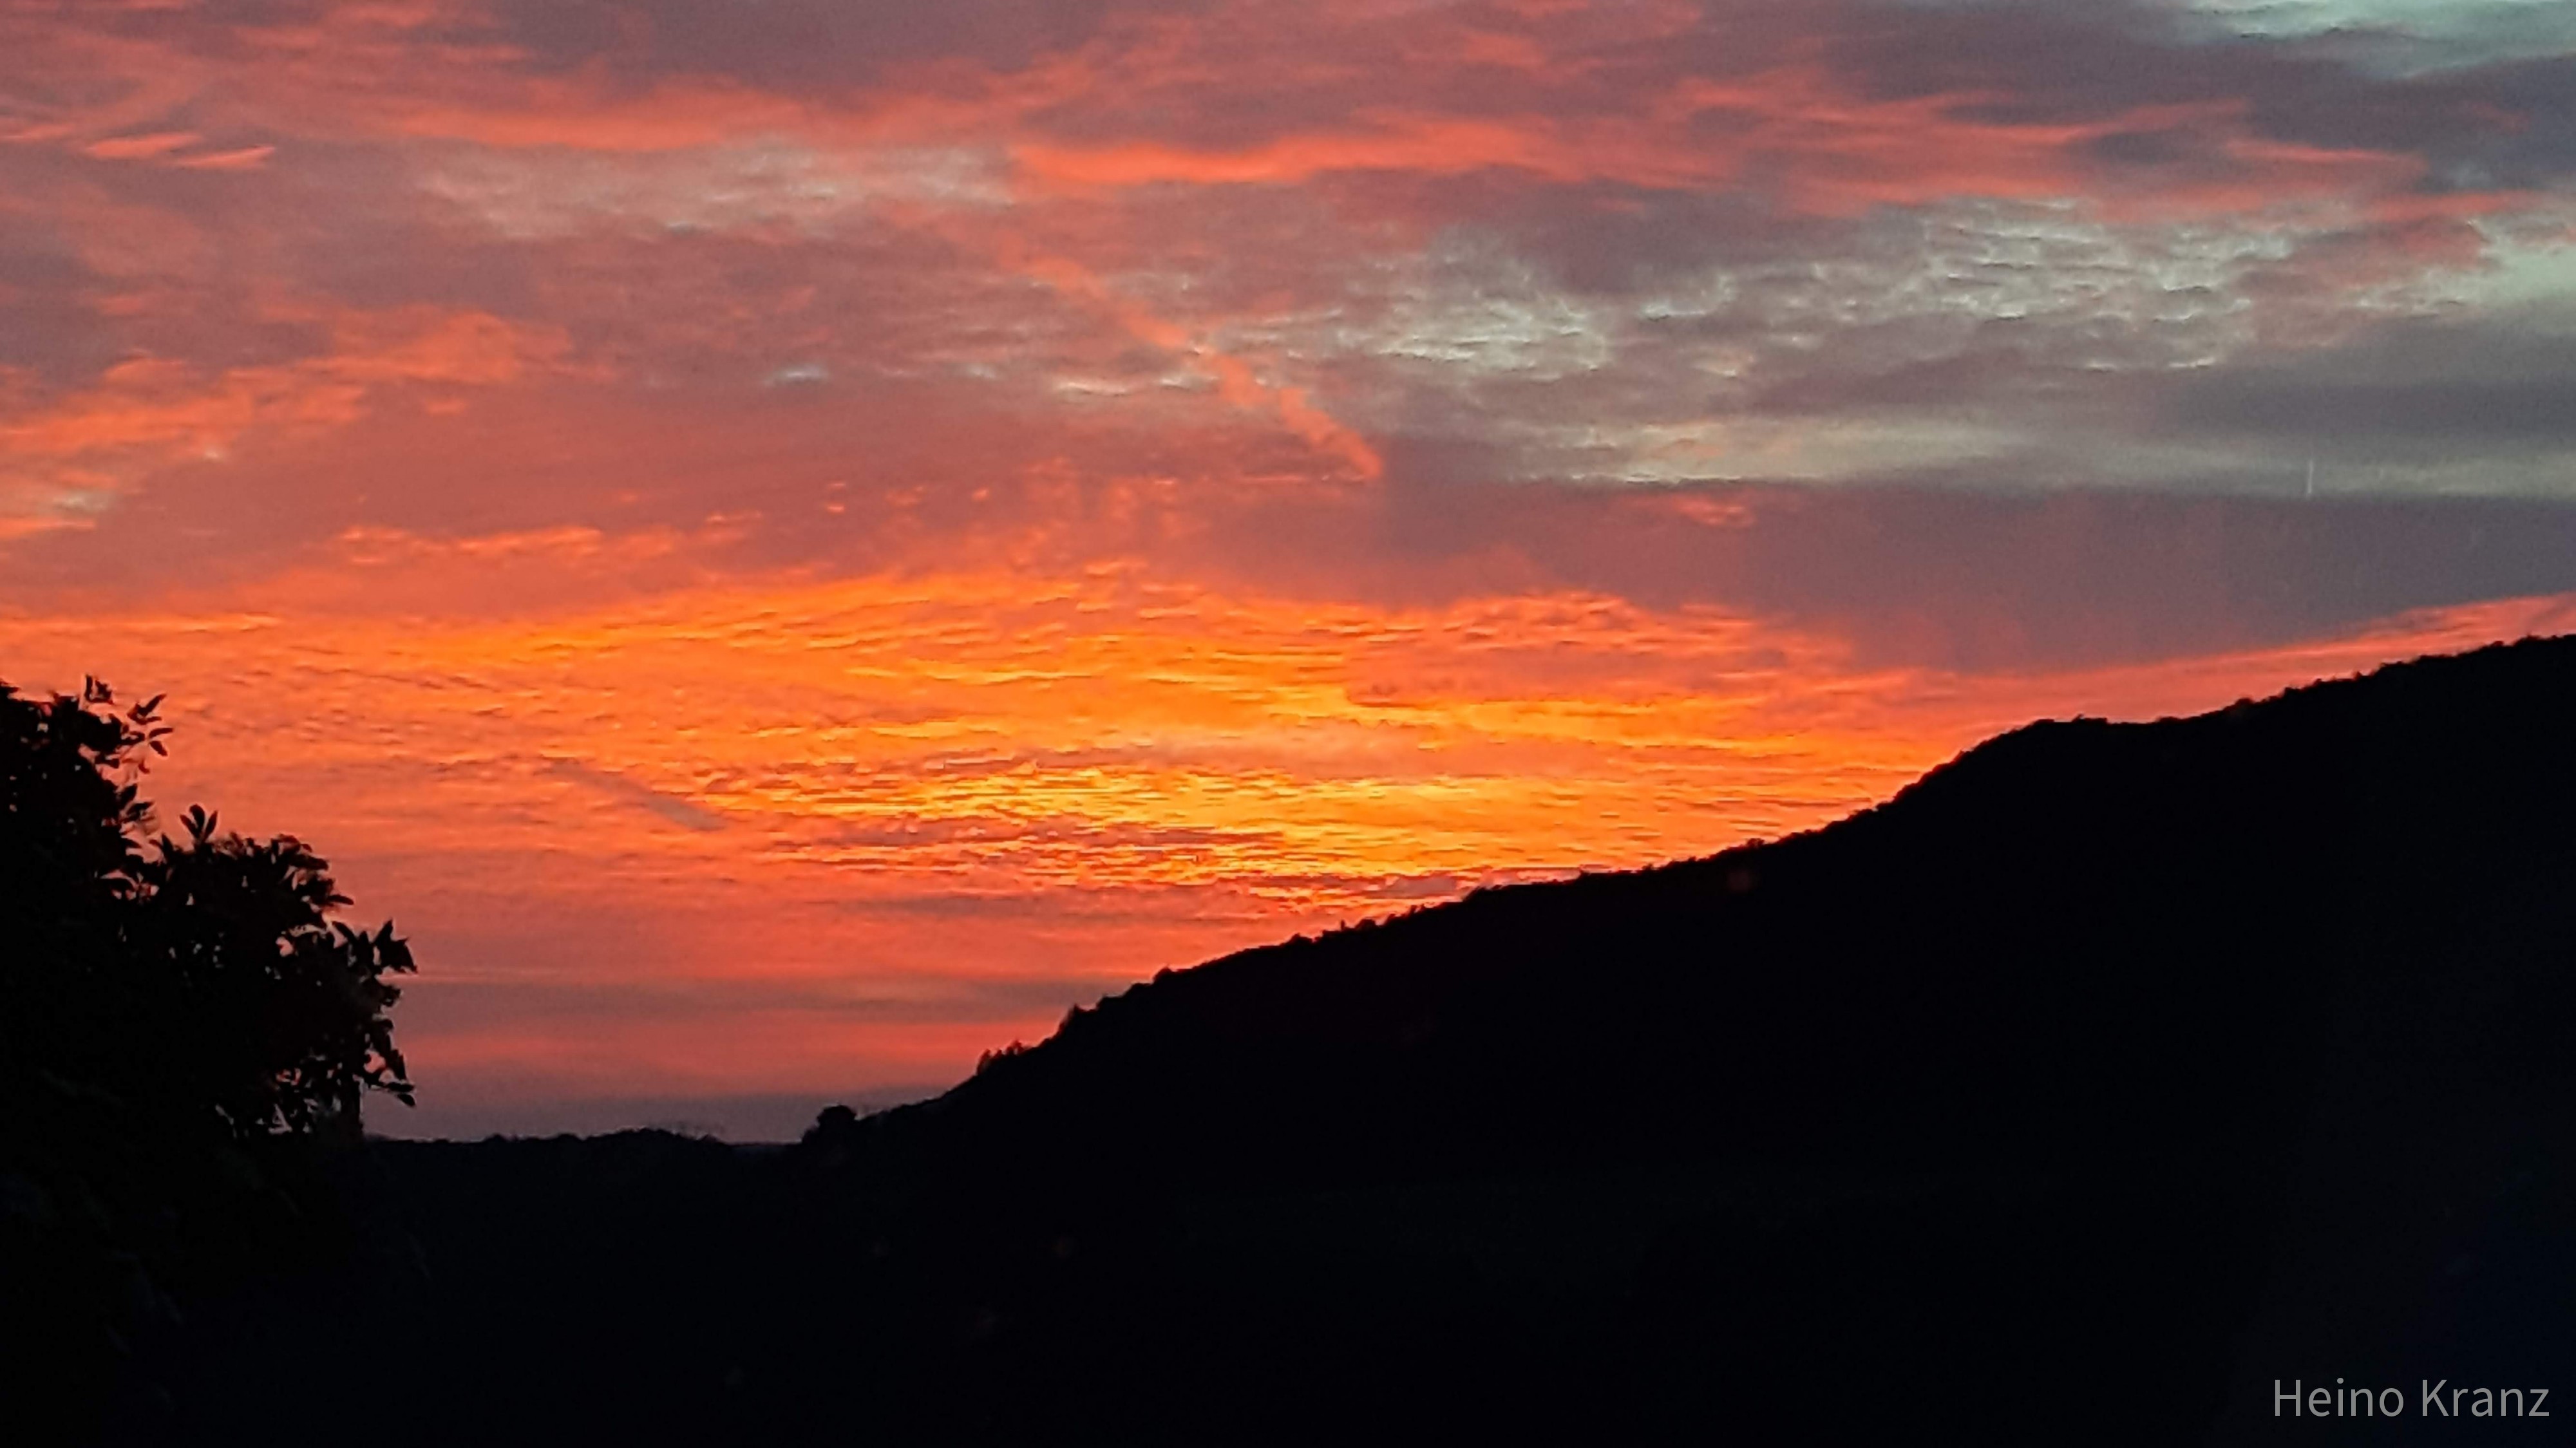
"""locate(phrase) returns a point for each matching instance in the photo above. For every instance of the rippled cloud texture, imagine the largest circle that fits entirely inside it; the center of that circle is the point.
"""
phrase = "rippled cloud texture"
(790, 542)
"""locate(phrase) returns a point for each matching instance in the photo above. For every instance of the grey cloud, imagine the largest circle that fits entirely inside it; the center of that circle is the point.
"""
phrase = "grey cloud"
(670, 807)
(2500, 122)
(804, 45)
(1944, 572)
(2398, 36)
(785, 44)
(45, 329)
(102, 261)
(1130, 905)
(2444, 385)
(996, 830)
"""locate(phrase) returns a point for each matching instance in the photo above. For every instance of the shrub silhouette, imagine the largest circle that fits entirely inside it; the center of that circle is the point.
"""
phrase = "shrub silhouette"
(178, 1019)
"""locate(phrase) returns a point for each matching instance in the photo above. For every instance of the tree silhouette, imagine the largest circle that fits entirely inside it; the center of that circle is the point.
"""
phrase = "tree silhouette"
(285, 1007)
(178, 1017)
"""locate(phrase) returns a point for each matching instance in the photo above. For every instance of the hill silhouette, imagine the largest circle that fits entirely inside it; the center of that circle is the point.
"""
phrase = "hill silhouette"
(2014, 1093)
(2097, 1080)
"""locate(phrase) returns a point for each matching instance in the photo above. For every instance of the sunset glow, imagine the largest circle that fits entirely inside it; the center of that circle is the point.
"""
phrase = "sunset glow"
(787, 545)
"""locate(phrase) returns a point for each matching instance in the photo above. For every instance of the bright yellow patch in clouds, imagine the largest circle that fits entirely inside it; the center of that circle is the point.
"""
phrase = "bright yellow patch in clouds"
(864, 795)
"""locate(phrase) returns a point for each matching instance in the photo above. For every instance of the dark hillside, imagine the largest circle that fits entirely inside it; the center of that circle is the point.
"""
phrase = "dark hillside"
(2076, 937)
(2035, 1064)
(2102, 1077)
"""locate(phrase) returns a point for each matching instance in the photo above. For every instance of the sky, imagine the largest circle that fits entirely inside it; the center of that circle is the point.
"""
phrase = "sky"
(786, 542)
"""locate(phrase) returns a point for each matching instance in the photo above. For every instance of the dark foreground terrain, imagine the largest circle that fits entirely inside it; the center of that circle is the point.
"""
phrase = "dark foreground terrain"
(2104, 1076)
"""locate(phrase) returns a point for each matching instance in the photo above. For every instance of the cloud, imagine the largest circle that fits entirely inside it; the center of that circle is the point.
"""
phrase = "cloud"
(859, 495)
(75, 452)
(676, 809)
(2443, 385)
(2404, 35)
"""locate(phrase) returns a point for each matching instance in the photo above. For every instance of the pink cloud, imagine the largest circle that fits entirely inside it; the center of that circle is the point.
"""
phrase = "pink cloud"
(1002, 499)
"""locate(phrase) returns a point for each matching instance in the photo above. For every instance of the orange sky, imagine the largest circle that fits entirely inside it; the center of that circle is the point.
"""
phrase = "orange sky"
(785, 552)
